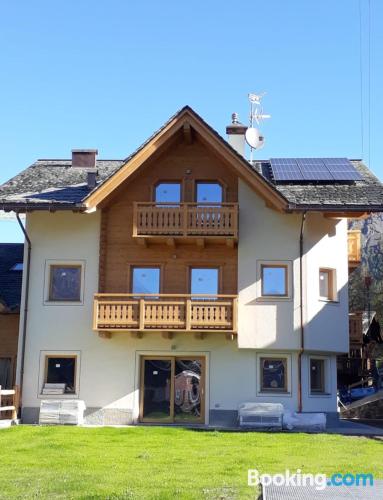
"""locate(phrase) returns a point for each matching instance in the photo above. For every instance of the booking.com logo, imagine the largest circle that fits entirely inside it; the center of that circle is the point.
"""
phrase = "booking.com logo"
(319, 481)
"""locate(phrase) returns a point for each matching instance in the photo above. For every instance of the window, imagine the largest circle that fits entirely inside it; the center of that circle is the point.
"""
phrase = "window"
(17, 267)
(274, 280)
(60, 375)
(6, 373)
(146, 280)
(317, 376)
(168, 192)
(273, 374)
(327, 289)
(204, 280)
(65, 283)
(209, 192)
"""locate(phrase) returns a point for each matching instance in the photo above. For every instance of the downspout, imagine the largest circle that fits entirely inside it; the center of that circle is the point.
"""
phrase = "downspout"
(302, 328)
(26, 297)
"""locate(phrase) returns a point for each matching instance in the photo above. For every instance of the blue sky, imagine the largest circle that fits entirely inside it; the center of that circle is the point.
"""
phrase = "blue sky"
(79, 74)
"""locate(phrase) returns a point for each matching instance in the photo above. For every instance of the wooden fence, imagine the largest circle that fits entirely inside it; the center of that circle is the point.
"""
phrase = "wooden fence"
(9, 402)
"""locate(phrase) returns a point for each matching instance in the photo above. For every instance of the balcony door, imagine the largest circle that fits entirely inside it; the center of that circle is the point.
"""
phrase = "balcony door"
(204, 280)
(168, 192)
(172, 389)
(146, 280)
(209, 192)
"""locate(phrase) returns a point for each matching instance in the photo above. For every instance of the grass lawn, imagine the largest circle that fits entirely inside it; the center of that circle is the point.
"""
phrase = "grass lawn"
(165, 463)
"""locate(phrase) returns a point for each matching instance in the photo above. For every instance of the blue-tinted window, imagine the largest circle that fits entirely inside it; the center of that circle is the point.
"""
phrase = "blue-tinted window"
(146, 280)
(209, 192)
(204, 281)
(274, 280)
(168, 192)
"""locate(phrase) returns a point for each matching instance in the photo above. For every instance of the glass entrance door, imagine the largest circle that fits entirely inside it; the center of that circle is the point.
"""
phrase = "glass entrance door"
(172, 389)
(156, 382)
(188, 390)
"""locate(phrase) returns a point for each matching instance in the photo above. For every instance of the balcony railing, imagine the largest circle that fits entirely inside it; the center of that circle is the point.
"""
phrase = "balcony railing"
(354, 247)
(164, 312)
(185, 219)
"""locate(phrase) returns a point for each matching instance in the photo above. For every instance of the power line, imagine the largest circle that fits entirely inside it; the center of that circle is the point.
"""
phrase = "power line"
(369, 83)
(361, 78)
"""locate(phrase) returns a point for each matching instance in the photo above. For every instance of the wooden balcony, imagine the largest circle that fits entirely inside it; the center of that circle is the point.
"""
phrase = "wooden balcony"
(354, 248)
(171, 222)
(165, 313)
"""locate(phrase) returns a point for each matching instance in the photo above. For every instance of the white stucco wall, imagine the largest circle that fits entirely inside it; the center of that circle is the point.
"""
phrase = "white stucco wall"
(269, 236)
(108, 374)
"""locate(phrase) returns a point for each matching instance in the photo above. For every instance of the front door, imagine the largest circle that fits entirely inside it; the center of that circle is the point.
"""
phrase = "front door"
(172, 389)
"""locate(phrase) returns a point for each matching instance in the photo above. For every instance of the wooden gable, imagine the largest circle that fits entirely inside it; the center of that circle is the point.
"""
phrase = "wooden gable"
(186, 127)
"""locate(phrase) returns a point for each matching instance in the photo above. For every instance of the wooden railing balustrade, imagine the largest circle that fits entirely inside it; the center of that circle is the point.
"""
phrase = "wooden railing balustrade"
(9, 402)
(185, 219)
(165, 312)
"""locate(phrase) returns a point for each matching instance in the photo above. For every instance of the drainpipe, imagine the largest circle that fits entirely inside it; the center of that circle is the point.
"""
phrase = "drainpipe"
(302, 328)
(26, 296)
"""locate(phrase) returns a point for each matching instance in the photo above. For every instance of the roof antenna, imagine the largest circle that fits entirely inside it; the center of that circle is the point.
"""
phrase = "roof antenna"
(253, 136)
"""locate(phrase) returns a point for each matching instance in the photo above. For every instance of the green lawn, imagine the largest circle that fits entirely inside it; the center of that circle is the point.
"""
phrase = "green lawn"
(164, 463)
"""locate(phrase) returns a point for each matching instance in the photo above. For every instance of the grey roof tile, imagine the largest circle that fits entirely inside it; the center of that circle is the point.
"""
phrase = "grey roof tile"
(55, 182)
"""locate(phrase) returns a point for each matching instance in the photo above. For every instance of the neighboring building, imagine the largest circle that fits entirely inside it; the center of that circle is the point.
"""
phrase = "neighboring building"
(11, 269)
(167, 287)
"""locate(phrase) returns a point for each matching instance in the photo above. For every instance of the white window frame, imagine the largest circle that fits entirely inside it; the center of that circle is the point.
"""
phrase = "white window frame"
(274, 355)
(47, 275)
(327, 378)
(42, 374)
(289, 274)
(333, 288)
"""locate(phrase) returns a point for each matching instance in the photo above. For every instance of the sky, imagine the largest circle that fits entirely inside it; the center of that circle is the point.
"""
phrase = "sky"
(106, 74)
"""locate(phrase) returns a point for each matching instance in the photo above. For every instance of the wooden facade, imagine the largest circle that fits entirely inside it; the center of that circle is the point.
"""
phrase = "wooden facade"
(175, 254)
(354, 248)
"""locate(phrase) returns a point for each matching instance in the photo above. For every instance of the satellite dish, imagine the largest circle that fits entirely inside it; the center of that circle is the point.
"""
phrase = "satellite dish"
(253, 137)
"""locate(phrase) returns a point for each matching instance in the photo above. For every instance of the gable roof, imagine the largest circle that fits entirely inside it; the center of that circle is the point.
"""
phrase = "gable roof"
(10, 281)
(54, 184)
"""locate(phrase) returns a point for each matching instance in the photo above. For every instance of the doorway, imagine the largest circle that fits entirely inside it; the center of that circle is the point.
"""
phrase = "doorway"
(172, 389)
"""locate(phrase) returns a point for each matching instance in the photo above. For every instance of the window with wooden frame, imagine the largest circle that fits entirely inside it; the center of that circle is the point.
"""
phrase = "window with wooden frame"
(317, 376)
(60, 375)
(204, 280)
(274, 280)
(65, 283)
(327, 284)
(209, 192)
(168, 192)
(145, 279)
(273, 374)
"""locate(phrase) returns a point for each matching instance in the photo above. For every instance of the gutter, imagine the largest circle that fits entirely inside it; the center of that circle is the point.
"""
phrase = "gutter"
(302, 328)
(30, 207)
(26, 301)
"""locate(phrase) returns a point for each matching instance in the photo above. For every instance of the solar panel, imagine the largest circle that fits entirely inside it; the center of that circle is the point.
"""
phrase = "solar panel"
(314, 169)
(286, 169)
(342, 169)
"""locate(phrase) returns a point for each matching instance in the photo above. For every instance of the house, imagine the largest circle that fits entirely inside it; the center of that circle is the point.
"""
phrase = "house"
(11, 267)
(184, 280)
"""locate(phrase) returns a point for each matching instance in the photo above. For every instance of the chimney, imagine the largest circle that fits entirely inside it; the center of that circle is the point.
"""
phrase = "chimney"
(84, 158)
(236, 134)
